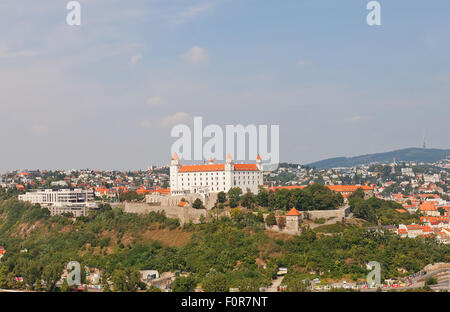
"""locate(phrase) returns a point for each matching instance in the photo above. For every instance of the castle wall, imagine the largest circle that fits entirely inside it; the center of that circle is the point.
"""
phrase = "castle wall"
(184, 214)
(337, 213)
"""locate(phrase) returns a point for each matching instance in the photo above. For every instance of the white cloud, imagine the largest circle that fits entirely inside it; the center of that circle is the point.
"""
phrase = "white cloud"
(304, 63)
(167, 121)
(191, 12)
(177, 118)
(196, 55)
(357, 119)
(135, 59)
(155, 101)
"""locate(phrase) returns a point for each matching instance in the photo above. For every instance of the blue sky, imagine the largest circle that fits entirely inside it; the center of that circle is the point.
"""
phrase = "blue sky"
(106, 94)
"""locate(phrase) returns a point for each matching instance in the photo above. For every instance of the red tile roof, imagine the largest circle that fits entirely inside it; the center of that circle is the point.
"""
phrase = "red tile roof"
(293, 212)
(427, 206)
(427, 229)
(203, 168)
(217, 167)
(413, 227)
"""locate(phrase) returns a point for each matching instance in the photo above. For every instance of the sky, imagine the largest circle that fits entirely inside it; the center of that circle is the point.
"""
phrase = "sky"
(105, 94)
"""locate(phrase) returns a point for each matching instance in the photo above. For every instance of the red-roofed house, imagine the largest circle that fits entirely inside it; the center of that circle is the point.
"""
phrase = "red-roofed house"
(402, 232)
(2, 251)
(414, 230)
(429, 209)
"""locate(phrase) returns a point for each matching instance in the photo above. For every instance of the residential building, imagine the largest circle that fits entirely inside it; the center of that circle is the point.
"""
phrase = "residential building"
(429, 209)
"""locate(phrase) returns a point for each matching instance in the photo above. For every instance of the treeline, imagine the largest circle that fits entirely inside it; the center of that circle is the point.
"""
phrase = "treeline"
(131, 196)
(9, 193)
(381, 212)
(312, 197)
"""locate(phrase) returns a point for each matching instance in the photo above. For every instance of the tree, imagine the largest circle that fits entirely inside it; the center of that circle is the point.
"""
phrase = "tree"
(198, 204)
(184, 284)
(130, 196)
(248, 285)
(361, 209)
(359, 193)
(281, 222)
(4, 272)
(216, 282)
(126, 280)
(271, 220)
(221, 197)
(106, 288)
(248, 200)
(233, 203)
(431, 281)
(32, 274)
(236, 214)
(65, 286)
(104, 207)
(234, 194)
(51, 274)
(119, 280)
(378, 211)
(296, 283)
(262, 198)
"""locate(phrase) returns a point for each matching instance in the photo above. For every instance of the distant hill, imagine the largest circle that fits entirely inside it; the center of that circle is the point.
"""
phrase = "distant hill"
(407, 154)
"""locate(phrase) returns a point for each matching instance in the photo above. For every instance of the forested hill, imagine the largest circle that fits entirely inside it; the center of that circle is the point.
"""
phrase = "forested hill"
(407, 154)
(224, 253)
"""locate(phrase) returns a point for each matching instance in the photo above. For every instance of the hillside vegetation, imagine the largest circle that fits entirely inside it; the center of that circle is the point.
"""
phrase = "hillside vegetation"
(223, 253)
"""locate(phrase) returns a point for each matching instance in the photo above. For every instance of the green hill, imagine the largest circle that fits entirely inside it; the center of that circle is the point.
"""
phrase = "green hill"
(220, 254)
(408, 154)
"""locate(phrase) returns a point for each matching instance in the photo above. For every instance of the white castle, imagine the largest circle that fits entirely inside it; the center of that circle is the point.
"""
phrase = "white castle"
(214, 178)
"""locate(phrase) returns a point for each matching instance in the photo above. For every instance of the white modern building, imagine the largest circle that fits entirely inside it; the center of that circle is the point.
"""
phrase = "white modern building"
(214, 178)
(56, 197)
(74, 201)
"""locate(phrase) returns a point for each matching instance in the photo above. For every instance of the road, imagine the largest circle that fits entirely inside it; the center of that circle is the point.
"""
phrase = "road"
(275, 284)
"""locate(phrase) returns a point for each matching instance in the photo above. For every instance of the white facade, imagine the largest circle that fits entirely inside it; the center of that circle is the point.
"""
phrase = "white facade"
(408, 172)
(54, 198)
(214, 178)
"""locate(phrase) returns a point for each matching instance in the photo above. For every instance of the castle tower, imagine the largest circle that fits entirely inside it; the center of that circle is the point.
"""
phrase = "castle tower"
(174, 167)
(229, 168)
(259, 163)
(293, 220)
